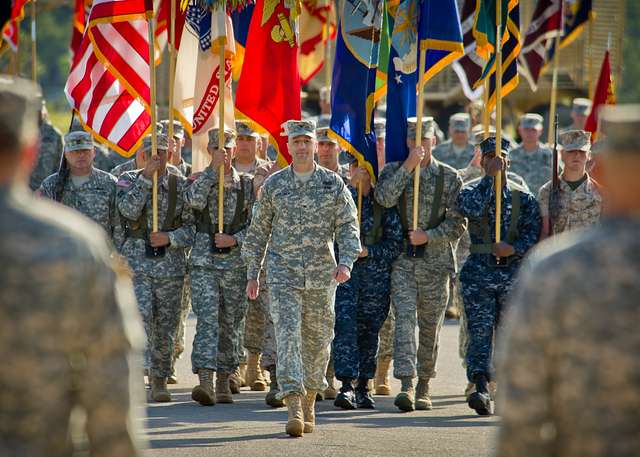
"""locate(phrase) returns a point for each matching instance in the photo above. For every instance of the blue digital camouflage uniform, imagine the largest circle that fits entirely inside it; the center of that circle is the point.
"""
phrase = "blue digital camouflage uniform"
(362, 303)
(485, 288)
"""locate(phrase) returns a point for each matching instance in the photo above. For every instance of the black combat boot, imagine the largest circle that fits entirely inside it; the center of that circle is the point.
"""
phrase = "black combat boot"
(363, 396)
(480, 400)
(346, 398)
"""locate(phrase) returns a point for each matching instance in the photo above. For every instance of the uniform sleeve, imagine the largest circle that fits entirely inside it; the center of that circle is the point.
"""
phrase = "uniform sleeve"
(133, 192)
(390, 246)
(529, 225)
(543, 199)
(258, 233)
(347, 232)
(391, 184)
(454, 224)
(525, 375)
(472, 200)
(197, 193)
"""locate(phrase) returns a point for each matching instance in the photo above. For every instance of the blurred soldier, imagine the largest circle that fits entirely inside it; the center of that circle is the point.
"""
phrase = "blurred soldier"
(569, 358)
(457, 151)
(218, 274)
(179, 138)
(158, 259)
(67, 320)
(328, 153)
(81, 186)
(421, 275)
(531, 159)
(487, 275)
(50, 152)
(577, 202)
(580, 110)
(362, 303)
(302, 210)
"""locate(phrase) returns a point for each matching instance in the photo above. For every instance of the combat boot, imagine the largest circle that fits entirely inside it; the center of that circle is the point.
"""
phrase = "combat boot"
(480, 399)
(405, 399)
(235, 381)
(223, 390)
(423, 397)
(383, 386)
(254, 378)
(272, 397)
(330, 392)
(346, 399)
(204, 392)
(471, 387)
(159, 390)
(295, 422)
(242, 374)
(363, 395)
(309, 411)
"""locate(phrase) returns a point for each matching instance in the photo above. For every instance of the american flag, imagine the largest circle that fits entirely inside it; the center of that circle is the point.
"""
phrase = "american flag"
(108, 83)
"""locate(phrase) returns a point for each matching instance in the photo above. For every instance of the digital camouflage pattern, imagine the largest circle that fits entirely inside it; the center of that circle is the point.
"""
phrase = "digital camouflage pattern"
(72, 345)
(446, 153)
(555, 358)
(49, 155)
(485, 288)
(362, 303)
(533, 166)
(420, 286)
(572, 209)
(129, 165)
(387, 334)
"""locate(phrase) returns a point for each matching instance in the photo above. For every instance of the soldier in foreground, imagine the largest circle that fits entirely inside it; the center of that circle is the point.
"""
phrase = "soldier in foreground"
(301, 211)
(488, 274)
(569, 366)
(58, 353)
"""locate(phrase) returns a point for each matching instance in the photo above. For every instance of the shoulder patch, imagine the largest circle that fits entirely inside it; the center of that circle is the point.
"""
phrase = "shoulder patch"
(122, 182)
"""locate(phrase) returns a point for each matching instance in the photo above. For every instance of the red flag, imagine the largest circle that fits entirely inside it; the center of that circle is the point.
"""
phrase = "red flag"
(604, 95)
(11, 31)
(313, 35)
(271, 50)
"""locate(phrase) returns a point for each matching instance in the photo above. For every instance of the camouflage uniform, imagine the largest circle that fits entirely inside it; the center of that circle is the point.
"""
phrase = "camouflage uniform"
(49, 155)
(576, 209)
(218, 281)
(485, 287)
(129, 165)
(362, 303)
(446, 153)
(387, 334)
(420, 286)
(533, 166)
(185, 168)
(158, 281)
(299, 222)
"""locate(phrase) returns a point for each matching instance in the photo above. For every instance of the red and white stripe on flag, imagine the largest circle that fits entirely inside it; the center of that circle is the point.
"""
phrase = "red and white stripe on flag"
(108, 83)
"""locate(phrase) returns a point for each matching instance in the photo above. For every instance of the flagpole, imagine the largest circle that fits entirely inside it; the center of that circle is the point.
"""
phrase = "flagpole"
(498, 152)
(554, 88)
(172, 64)
(419, 111)
(34, 56)
(486, 116)
(221, 99)
(327, 50)
(152, 109)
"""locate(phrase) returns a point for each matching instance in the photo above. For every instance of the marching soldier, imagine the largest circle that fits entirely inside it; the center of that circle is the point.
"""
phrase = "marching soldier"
(301, 211)
(488, 274)
(580, 110)
(362, 303)
(218, 274)
(420, 276)
(177, 160)
(531, 159)
(558, 361)
(50, 152)
(577, 202)
(158, 259)
(81, 186)
(328, 153)
(67, 320)
(457, 151)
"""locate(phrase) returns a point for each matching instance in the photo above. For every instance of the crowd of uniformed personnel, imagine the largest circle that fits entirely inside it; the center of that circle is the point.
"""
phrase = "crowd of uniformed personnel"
(301, 286)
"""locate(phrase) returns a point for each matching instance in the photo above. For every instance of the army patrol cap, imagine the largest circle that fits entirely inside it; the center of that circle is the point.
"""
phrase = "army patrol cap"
(460, 122)
(581, 106)
(20, 104)
(178, 129)
(244, 128)
(488, 145)
(77, 141)
(162, 141)
(531, 121)
(477, 133)
(620, 125)
(428, 127)
(229, 138)
(379, 126)
(293, 128)
(576, 140)
(322, 135)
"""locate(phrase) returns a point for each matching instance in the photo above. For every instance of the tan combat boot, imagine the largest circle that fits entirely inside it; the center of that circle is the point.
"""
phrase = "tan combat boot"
(330, 392)
(235, 381)
(272, 396)
(254, 378)
(223, 391)
(159, 390)
(204, 392)
(242, 374)
(309, 411)
(295, 422)
(405, 400)
(423, 397)
(383, 385)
